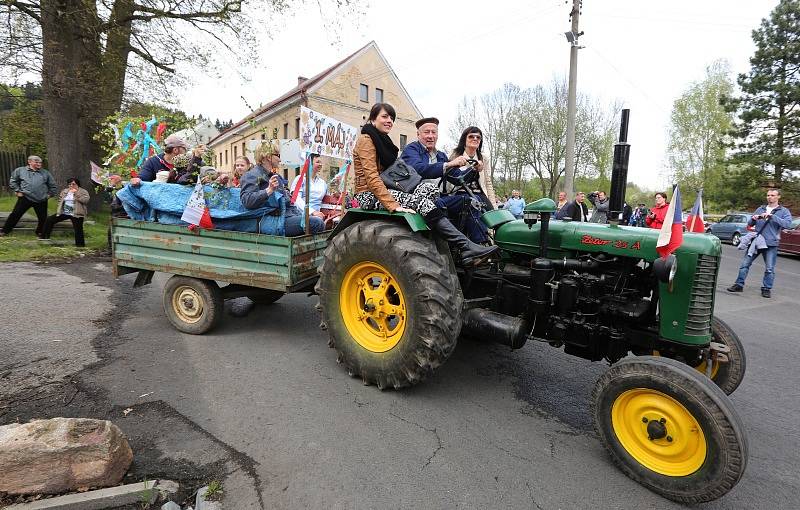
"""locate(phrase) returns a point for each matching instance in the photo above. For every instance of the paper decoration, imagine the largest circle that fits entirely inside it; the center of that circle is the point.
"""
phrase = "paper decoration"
(325, 135)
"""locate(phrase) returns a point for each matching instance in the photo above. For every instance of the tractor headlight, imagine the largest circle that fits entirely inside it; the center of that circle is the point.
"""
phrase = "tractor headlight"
(530, 217)
(665, 269)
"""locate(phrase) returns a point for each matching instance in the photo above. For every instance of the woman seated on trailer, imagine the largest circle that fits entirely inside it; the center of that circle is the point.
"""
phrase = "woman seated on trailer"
(262, 186)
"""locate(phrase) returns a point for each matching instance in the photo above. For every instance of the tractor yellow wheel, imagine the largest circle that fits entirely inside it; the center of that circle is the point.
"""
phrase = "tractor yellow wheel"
(658, 432)
(390, 301)
(373, 306)
(669, 428)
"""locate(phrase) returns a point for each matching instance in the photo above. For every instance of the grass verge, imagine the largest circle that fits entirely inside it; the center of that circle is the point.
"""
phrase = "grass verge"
(22, 246)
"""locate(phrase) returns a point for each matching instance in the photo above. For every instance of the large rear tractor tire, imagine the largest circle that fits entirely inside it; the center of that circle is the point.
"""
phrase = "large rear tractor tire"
(193, 305)
(390, 303)
(728, 376)
(670, 429)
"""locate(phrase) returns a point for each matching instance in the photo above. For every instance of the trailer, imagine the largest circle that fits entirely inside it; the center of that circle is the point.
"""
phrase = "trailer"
(209, 266)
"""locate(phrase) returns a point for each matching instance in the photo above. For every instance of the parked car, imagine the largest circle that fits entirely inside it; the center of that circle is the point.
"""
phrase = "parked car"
(732, 227)
(790, 238)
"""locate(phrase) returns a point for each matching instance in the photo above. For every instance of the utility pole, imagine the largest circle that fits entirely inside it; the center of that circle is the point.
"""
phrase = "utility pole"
(572, 38)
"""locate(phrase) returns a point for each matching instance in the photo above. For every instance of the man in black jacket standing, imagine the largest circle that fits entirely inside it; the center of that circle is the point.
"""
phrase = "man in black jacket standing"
(576, 210)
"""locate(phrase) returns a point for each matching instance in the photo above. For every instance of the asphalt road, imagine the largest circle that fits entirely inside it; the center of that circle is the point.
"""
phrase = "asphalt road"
(262, 401)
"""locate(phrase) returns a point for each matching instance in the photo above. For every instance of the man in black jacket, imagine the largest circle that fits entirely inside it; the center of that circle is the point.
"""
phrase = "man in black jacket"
(576, 210)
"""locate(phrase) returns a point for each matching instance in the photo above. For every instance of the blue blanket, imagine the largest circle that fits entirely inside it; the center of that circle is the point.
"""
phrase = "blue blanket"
(165, 203)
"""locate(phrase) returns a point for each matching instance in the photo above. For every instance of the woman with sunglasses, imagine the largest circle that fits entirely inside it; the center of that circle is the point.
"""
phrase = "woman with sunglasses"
(470, 145)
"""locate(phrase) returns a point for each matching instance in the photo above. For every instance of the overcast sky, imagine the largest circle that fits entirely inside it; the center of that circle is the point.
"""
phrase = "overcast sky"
(642, 53)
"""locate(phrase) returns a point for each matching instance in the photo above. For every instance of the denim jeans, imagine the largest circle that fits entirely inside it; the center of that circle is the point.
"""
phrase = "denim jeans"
(770, 256)
(293, 228)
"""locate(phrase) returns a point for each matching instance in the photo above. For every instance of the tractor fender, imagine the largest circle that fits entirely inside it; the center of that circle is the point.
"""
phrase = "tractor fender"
(414, 221)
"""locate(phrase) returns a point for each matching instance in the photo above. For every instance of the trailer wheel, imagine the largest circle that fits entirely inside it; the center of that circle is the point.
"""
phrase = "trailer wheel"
(728, 376)
(668, 428)
(193, 305)
(390, 303)
(265, 296)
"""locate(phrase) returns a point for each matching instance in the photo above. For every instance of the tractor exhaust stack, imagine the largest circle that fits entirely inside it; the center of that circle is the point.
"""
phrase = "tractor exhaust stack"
(619, 171)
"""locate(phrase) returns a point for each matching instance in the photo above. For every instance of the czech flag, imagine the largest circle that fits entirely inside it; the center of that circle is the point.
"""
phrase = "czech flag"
(671, 234)
(196, 212)
(694, 221)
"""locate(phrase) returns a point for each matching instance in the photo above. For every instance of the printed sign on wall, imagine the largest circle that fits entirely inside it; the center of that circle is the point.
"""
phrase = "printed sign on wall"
(325, 135)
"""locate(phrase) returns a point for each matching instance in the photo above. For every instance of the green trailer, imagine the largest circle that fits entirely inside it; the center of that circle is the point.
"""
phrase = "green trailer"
(209, 266)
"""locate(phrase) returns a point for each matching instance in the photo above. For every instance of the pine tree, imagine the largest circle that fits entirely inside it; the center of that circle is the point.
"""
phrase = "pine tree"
(767, 131)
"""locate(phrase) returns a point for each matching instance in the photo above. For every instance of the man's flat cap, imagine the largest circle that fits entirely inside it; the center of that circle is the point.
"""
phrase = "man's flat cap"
(427, 120)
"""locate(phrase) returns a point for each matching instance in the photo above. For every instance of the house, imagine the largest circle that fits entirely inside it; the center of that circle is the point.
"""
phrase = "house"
(345, 91)
(202, 133)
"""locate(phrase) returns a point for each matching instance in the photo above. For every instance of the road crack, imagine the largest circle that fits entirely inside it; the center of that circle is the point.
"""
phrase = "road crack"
(439, 443)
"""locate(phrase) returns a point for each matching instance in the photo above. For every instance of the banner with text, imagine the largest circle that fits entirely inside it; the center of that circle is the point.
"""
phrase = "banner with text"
(325, 135)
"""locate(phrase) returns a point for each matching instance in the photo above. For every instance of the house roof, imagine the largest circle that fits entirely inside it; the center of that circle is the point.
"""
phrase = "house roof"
(303, 87)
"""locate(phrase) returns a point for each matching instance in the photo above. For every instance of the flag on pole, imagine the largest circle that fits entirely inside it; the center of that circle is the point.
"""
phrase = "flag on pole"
(299, 185)
(98, 175)
(694, 221)
(671, 235)
(196, 211)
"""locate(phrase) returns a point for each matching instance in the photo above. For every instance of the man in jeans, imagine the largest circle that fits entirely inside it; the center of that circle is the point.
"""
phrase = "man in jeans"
(769, 220)
(33, 186)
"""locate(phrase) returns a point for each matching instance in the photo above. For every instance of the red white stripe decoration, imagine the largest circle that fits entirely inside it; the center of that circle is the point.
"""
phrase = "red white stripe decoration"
(671, 235)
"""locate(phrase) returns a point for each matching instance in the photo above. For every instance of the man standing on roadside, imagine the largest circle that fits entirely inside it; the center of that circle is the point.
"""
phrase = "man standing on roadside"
(769, 220)
(577, 210)
(33, 185)
(516, 204)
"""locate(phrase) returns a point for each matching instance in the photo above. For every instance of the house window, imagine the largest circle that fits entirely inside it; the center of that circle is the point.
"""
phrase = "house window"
(378, 95)
(263, 136)
(403, 141)
(286, 130)
(363, 93)
(234, 152)
(286, 173)
(226, 156)
(297, 127)
(243, 149)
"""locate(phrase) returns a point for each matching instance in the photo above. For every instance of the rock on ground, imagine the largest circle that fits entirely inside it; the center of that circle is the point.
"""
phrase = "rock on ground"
(62, 454)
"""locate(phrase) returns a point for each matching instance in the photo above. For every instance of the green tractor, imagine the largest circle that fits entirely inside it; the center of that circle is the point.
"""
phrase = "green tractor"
(394, 304)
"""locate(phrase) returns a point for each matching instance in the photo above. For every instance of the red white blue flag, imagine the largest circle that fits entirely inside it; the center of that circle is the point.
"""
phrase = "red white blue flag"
(694, 221)
(671, 235)
(196, 212)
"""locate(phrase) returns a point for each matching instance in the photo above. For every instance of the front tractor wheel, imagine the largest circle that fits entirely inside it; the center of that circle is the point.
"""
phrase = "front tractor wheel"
(668, 428)
(390, 302)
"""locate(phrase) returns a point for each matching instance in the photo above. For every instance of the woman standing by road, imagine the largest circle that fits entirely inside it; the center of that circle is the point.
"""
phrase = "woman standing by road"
(373, 153)
(657, 214)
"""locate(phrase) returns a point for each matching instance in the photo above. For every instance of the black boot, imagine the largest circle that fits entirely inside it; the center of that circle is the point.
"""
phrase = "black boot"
(472, 254)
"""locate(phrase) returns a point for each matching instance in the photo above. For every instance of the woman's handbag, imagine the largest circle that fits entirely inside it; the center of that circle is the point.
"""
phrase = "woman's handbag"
(401, 176)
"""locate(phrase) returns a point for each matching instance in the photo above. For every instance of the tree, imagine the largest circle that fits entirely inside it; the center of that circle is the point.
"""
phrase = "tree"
(699, 124)
(767, 128)
(524, 133)
(89, 52)
(21, 119)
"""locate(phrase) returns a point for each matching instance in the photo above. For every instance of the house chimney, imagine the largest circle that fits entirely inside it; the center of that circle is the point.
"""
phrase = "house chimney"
(301, 79)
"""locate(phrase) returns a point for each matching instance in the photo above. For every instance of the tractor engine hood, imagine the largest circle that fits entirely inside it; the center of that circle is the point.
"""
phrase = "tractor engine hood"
(571, 236)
